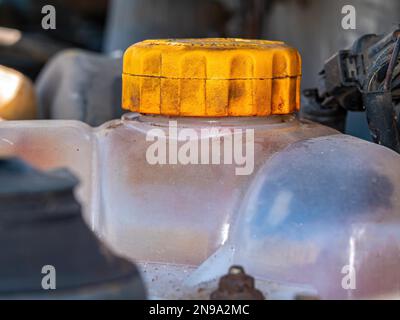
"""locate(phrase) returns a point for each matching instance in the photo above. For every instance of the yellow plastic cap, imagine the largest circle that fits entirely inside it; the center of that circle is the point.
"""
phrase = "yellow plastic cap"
(211, 78)
(17, 96)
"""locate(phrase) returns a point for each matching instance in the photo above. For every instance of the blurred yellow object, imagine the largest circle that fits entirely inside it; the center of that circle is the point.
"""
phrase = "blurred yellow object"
(212, 77)
(17, 96)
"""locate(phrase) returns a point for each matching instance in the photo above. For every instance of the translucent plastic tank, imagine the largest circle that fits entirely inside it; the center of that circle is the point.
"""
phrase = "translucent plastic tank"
(213, 169)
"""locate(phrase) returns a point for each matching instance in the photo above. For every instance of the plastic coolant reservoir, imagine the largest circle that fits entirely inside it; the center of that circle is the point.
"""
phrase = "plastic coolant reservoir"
(213, 169)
